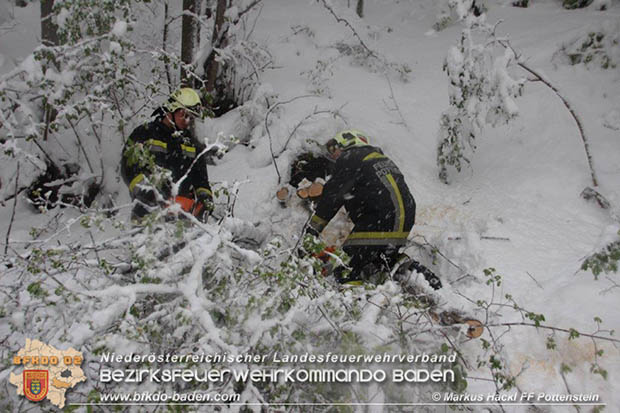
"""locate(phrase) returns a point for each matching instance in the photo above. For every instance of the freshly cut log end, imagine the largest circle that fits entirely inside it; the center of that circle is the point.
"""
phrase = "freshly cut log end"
(282, 194)
(315, 190)
(474, 328)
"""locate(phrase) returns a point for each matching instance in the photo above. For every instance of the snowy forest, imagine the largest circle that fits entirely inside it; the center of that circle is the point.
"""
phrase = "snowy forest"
(503, 116)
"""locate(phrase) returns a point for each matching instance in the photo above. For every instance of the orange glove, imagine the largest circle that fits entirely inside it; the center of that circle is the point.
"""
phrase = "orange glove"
(196, 208)
(186, 204)
(324, 255)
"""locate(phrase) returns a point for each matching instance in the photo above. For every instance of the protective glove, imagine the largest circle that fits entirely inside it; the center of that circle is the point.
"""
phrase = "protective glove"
(203, 206)
(150, 196)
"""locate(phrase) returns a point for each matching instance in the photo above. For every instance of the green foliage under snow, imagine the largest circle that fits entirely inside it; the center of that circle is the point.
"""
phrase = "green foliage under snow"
(481, 90)
(605, 260)
(596, 48)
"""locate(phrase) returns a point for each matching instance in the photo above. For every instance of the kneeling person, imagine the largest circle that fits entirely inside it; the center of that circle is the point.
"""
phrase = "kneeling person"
(374, 193)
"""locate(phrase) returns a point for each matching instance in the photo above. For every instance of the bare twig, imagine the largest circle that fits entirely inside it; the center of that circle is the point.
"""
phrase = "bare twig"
(346, 22)
(563, 330)
(397, 106)
(614, 285)
(8, 198)
(436, 250)
(534, 279)
(273, 157)
(482, 237)
(8, 232)
(315, 112)
(79, 140)
(567, 387)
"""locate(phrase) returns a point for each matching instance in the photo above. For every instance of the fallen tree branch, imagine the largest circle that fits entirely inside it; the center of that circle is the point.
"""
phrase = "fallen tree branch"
(572, 112)
(346, 22)
(563, 330)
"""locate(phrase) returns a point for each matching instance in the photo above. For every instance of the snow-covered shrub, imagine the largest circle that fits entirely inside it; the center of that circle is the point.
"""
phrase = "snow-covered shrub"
(576, 4)
(444, 16)
(601, 4)
(176, 288)
(374, 62)
(598, 47)
(604, 261)
(521, 3)
(448, 14)
(481, 89)
(319, 75)
(359, 52)
(72, 102)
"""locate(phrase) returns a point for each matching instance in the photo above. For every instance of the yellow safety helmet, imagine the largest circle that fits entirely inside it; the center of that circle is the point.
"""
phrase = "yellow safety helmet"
(347, 139)
(184, 98)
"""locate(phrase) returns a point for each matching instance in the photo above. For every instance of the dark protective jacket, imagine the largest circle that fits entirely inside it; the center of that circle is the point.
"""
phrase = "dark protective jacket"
(309, 166)
(173, 150)
(375, 195)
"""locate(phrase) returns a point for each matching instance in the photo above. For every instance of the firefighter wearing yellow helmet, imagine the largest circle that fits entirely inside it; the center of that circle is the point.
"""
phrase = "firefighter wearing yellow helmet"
(165, 147)
(377, 199)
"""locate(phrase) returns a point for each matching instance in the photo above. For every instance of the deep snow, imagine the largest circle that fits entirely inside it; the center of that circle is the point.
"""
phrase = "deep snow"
(523, 186)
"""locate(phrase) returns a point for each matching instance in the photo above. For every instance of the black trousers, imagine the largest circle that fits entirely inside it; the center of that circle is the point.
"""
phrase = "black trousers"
(368, 261)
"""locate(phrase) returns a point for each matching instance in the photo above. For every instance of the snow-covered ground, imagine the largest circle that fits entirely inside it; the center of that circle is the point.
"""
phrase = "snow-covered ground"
(517, 208)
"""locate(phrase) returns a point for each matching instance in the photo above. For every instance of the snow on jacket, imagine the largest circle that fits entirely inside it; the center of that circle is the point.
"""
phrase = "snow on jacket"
(172, 150)
(375, 195)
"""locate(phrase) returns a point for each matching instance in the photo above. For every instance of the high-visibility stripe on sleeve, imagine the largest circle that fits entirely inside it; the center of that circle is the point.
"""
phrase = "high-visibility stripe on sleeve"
(374, 155)
(401, 204)
(189, 151)
(317, 222)
(377, 238)
(135, 181)
(202, 190)
(157, 145)
(378, 235)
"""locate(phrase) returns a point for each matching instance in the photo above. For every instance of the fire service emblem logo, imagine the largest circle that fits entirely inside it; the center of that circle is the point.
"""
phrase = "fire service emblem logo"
(36, 384)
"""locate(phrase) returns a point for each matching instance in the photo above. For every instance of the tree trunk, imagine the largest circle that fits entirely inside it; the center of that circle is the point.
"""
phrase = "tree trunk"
(190, 37)
(360, 8)
(49, 30)
(49, 38)
(212, 66)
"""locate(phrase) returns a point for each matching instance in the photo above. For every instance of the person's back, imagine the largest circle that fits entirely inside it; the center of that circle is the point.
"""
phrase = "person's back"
(374, 192)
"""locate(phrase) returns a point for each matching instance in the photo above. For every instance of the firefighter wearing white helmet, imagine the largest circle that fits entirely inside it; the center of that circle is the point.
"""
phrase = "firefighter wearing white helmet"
(377, 199)
(165, 144)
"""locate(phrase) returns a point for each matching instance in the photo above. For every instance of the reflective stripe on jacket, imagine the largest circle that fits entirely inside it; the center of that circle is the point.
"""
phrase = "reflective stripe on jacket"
(373, 191)
(172, 150)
